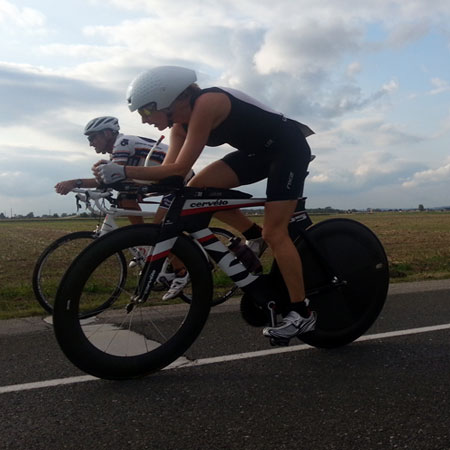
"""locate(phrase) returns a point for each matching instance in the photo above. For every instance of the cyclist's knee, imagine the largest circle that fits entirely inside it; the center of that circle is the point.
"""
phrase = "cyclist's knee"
(274, 236)
(197, 182)
(217, 174)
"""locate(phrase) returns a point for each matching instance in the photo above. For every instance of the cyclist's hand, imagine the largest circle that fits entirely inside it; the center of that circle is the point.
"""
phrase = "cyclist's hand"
(64, 187)
(102, 161)
(109, 173)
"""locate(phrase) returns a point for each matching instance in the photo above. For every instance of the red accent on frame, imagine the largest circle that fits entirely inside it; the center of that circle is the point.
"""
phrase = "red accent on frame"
(160, 255)
(206, 238)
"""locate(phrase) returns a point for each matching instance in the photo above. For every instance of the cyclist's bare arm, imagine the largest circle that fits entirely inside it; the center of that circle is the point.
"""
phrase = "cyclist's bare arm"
(64, 187)
(209, 111)
(177, 138)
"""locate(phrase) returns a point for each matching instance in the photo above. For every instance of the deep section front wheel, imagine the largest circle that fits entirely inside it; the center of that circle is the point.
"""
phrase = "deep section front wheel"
(131, 338)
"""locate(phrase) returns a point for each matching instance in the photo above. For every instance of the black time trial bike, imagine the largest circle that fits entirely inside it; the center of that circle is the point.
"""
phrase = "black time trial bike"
(345, 270)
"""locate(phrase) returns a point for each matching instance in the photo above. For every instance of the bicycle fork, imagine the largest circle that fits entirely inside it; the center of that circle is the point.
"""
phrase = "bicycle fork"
(150, 272)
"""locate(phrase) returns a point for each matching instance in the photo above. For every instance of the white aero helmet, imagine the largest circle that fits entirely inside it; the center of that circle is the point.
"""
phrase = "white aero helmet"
(160, 86)
(102, 123)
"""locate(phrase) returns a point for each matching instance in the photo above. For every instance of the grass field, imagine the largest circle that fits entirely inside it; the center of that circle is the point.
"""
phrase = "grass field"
(417, 245)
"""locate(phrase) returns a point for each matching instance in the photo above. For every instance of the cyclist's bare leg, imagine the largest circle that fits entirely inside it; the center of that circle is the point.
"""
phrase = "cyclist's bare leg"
(159, 215)
(219, 175)
(275, 233)
(127, 203)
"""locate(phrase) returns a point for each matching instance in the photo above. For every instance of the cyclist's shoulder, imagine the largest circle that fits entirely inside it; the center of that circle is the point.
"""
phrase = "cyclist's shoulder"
(205, 95)
(125, 141)
(129, 141)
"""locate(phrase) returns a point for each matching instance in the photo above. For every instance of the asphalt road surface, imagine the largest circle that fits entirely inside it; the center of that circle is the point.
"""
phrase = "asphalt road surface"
(388, 390)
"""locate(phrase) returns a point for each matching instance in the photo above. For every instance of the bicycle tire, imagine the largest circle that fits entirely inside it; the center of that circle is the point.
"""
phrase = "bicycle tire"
(134, 343)
(54, 261)
(355, 255)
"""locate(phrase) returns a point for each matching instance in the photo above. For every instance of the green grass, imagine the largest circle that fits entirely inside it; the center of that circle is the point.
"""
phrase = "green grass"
(417, 245)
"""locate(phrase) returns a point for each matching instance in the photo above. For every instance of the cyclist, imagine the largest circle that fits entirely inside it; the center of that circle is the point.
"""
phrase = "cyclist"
(268, 144)
(103, 134)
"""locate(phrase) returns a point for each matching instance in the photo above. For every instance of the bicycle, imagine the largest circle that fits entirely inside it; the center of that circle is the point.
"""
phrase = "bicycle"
(345, 269)
(56, 258)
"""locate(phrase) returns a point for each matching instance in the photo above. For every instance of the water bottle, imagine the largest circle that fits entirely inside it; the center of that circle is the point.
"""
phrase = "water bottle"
(245, 255)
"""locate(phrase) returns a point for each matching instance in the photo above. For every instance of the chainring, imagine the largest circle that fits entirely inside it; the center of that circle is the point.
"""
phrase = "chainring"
(253, 314)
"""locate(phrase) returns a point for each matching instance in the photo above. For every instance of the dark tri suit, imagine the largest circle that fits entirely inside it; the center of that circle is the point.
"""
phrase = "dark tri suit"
(268, 145)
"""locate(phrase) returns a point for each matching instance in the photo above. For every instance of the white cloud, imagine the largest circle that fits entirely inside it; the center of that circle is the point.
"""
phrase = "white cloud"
(26, 18)
(440, 86)
(308, 46)
(77, 51)
(437, 176)
(378, 132)
(353, 69)
(361, 174)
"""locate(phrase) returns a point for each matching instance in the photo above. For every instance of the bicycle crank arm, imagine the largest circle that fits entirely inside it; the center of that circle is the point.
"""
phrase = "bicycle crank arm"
(334, 284)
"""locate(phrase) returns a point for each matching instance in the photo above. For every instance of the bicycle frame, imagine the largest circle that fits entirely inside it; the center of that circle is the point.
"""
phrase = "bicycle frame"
(191, 211)
(98, 197)
(109, 223)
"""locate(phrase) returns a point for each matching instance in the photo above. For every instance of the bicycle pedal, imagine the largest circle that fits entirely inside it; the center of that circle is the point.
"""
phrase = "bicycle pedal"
(279, 342)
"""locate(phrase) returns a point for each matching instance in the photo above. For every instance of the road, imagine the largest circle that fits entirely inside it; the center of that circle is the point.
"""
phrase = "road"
(389, 390)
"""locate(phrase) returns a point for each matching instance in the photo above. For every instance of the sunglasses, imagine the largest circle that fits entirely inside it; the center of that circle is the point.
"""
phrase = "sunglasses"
(146, 111)
(91, 137)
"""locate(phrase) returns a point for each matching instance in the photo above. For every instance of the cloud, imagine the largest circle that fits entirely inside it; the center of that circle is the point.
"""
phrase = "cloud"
(437, 176)
(353, 69)
(31, 93)
(362, 174)
(309, 46)
(378, 132)
(83, 51)
(25, 18)
(283, 54)
(28, 177)
(440, 86)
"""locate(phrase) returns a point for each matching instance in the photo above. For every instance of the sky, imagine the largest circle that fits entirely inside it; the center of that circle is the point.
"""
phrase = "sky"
(371, 78)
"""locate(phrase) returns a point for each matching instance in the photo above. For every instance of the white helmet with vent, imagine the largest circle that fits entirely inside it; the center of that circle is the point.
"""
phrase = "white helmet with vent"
(101, 124)
(159, 86)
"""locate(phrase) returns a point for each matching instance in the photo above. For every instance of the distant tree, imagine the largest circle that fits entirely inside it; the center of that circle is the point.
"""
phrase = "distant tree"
(2, 216)
(30, 215)
(421, 207)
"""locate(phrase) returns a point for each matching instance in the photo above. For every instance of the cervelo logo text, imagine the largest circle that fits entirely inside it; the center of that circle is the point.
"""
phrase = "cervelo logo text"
(206, 203)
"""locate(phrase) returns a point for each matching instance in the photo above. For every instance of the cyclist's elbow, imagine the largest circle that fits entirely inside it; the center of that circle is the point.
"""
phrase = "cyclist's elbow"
(180, 170)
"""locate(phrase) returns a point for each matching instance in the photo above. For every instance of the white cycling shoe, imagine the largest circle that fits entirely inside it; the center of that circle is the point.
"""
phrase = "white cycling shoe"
(293, 324)
(177, 285)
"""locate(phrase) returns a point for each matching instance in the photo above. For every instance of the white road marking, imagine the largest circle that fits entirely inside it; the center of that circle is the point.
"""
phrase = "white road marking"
(184, 362)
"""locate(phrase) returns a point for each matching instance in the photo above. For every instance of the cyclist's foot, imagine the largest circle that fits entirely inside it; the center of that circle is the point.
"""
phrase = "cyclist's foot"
(139, 259)
(258, 246)
(293, 324)
(177, 285)
(134, 262)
